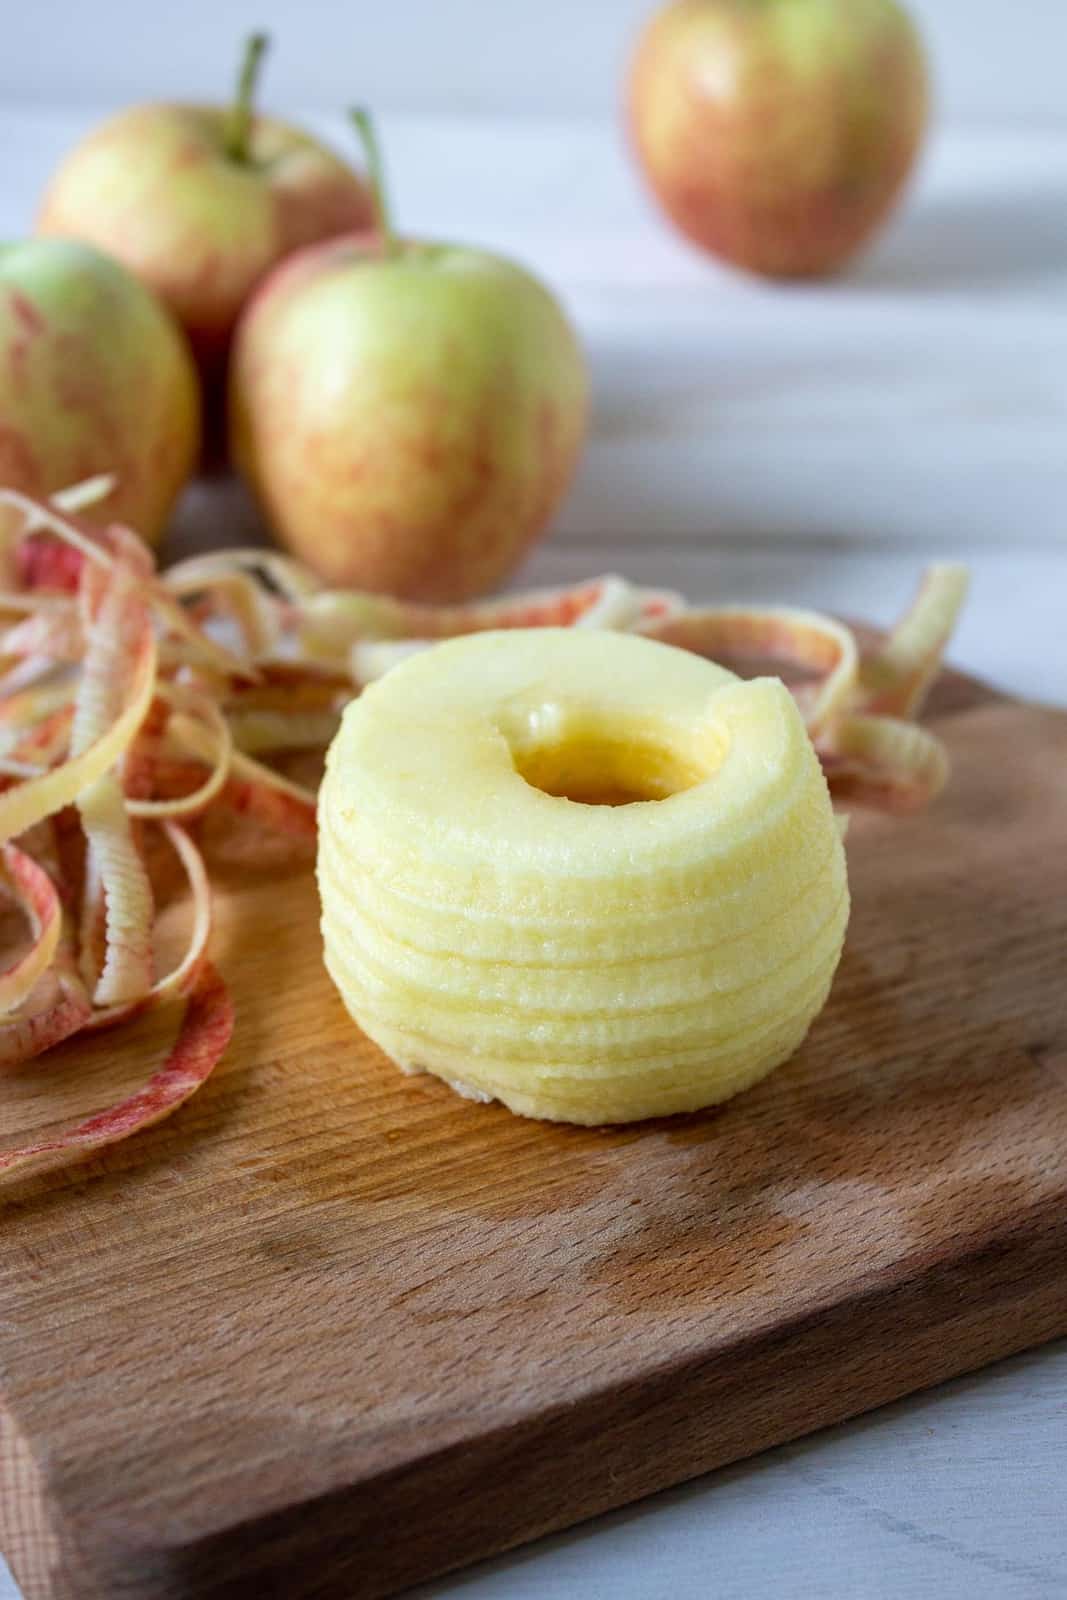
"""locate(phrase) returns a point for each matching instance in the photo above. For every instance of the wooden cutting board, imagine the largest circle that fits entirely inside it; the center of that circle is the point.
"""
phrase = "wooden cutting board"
(331, 1330)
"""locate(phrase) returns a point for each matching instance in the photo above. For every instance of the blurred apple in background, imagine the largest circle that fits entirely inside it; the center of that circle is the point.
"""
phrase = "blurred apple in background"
(778, 133)
(200, 201)
(409, 414)
(95, 376)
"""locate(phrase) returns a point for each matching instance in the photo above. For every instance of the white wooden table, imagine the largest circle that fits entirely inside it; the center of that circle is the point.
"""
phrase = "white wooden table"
(815, 445)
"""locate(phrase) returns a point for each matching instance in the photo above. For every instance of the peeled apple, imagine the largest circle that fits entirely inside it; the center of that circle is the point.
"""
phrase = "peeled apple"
(587, 874)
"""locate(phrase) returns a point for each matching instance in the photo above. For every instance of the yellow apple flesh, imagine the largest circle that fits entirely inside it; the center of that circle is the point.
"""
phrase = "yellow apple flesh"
(586, 874)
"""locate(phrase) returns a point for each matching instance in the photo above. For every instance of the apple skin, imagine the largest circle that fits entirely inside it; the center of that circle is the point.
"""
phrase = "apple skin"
(155, 188)
(95, 376)
(778, 133)
(409, 424)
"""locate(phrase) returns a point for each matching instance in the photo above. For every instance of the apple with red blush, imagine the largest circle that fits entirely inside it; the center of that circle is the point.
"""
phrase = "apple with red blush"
(778, 134)
(200, 201)
(408, 413)
(95, 377)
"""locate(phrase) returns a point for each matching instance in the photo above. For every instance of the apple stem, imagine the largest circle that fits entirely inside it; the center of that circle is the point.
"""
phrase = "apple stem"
(363, 123)
(239, 121)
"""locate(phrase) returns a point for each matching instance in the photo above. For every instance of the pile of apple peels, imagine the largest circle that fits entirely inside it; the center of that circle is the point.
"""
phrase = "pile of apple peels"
(134, 703)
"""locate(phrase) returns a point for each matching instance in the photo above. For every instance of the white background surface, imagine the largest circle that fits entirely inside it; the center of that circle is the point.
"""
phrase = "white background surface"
(992, 58)
(811, 445)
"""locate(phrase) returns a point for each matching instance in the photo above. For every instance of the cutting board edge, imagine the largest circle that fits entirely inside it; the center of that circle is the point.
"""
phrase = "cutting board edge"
(27, 1525)
(1022, 1274)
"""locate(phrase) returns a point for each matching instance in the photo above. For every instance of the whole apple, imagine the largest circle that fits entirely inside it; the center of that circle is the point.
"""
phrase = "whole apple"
(200, 201)
(408, 414)
(95, 376)
(778, 133)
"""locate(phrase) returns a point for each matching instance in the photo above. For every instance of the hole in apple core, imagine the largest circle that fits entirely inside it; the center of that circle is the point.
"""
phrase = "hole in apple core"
(605, 767)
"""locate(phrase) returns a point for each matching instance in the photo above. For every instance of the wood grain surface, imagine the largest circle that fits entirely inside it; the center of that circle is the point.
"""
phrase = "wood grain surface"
(331, 1330)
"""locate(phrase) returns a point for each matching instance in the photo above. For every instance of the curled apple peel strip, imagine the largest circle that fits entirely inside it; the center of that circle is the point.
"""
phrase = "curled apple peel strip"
(608, 602)
(182, 977)
(146, 700)
(81, 496)
(45, 741)
(237, 594)
(117, 898)
(254, 772)
(895, 679)
(58, 1005)
(50, 516)
(332, 622)
(29, 802)
(33, 672)
(258, 732)
(202, 731)
(801, 638)
(39, 898)
(58, 1008)
(54, 634)
(205, 1032)
(884, 762)
(291, 580)
(871, 757)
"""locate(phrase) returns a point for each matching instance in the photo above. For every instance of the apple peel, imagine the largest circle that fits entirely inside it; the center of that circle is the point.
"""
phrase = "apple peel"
(39, 899)
(800, 638)
(205, 1031)
(58, 1008)
(118, 894)
(200, 730)
(59, 1004)
(896, 678)
(184, 976)
(41, 797)
(333, 622)
(884, 762)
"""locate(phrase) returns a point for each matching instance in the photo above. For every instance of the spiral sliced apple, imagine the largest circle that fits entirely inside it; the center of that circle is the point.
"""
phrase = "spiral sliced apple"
(589, 875)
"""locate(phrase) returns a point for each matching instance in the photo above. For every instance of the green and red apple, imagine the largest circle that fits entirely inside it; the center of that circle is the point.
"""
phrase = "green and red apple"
(201, 201)
(408, 413)
(777, 134)
(95, 377)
